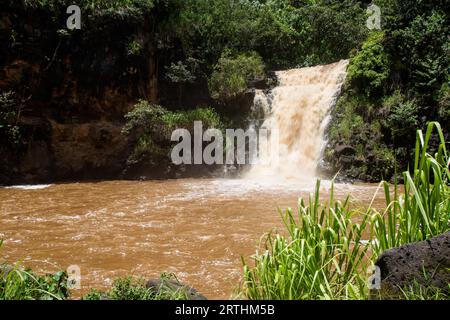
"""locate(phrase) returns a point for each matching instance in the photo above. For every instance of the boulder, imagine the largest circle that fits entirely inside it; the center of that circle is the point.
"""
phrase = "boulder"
(425, 263)
(160, 285)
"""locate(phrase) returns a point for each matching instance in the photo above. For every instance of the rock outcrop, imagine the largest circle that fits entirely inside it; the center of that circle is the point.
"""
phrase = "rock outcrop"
(71, 90)
(425, 263)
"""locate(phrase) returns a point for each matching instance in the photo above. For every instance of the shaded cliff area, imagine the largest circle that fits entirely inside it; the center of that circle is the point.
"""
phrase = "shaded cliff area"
(65, 92)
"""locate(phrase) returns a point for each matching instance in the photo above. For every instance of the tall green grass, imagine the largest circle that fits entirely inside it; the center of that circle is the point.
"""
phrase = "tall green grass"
(319, 258)
(419, 209)
(322, 255)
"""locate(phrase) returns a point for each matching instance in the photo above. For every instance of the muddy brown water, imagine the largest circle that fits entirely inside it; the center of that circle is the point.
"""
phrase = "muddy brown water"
(195, 228)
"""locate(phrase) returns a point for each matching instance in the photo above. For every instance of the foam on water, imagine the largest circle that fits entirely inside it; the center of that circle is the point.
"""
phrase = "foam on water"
(30, 186)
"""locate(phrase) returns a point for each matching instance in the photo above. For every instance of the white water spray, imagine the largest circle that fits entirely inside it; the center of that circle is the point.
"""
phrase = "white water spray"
(298, 110)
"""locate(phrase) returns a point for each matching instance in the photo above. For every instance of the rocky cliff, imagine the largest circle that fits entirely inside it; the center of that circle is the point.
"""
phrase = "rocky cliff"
(69, 89)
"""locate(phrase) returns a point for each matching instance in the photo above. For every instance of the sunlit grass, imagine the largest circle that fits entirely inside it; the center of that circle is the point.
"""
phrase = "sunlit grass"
(420, 208)
(322, 257)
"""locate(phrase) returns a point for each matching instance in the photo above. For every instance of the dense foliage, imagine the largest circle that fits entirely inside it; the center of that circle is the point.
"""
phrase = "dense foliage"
(232, 75)
(398, 77)
(151, 126)
(285, 33)
(398, 80)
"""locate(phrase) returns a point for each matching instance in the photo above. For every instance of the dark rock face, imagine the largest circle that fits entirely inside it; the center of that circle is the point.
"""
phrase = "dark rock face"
(74, 89)
(172, 285)
(425, 263)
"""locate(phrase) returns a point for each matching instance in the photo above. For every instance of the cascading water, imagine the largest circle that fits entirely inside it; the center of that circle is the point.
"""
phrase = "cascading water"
(297, 110)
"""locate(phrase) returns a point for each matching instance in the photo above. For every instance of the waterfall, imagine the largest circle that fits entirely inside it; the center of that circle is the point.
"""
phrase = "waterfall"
(298, 111)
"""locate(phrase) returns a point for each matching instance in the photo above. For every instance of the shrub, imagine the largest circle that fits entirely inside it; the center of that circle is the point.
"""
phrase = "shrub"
(153, 119)
(419, 292)
(134, 48)
(182, 72)
(129, 288)
(232, 75)
(402, 118)
(144, 117)
(185, 119)
(369, 69)
(152, 125)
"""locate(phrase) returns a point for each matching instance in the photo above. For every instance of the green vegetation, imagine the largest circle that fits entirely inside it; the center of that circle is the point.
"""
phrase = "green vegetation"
(369, 68)
(319, 259)
(129, 288)
(322, 255)
(285, 33)
(418, 292)
(151, 119)
(16, 284)
(232, 75)
(152, 125)
(134, 48)
(398, 81)
(19, 284)
(91, 5)
(422, 209)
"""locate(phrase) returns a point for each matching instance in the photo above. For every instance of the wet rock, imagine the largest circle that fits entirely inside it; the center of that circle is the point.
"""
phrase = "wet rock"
(425, 263)
(164, 285)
